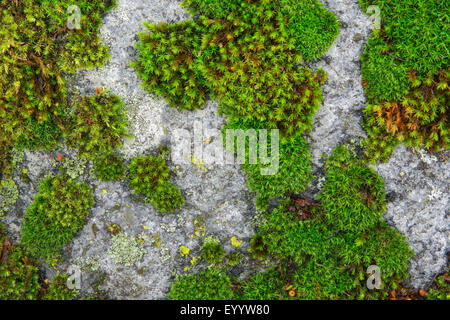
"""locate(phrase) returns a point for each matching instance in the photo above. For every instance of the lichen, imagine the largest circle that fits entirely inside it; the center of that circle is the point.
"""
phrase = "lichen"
(165, 255)
(125, 250)
(156, 240)
(199, 226)
(74, 167)
(8, 196)
(184, 251)
(235, 242)
(17, 157)
(91, 263)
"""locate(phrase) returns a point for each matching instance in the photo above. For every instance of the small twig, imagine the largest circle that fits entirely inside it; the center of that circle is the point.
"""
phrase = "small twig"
(282, 277)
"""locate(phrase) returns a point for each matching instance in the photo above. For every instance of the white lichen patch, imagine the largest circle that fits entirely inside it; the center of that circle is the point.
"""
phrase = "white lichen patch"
(74, 167)
(125, 250)
(91, 263)
(8, 196)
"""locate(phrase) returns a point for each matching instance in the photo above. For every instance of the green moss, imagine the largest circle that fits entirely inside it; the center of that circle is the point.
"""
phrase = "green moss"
(331, 244)
(234, 258)
(246, 55)
(58, 289)
(184, 251)
(258, 248)
(322, 280)
(18, 273)
(166, 63)
(109, 166)
(332, 263)
(293, 175)
(417, 34)
(149, 176)
(283, 234)
(146, 174)
(218, 9)
(98, 125)
(395, 83)
(45, 136)
(212, 250)
(312, 27)
(57, 213)
(440, 289)
(17, 156)
(352, 195)
(266, 285)
(37, 49)
(405, 70)
(212, 284)
(199, 226)
(419, 119)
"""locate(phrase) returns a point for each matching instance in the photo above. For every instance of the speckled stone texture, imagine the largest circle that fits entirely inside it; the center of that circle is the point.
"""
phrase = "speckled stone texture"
(416, 183)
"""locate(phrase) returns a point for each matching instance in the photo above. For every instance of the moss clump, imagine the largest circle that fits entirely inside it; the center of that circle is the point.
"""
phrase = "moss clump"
(267, 285)
(414, 35)
(257, 247)
(109, 166)
(125, 250)
(353, 195)
(293, 175)
(8, 196)
(146, 174)
(98, 125)
(18, 273)
(212, 250)
(331, 263)
(246, 55)
(382, 246)
(36, 49)
(312, 27)
(166, 63)
(58, 289)
(212, 284)
(324, 280)
(149, 176)
(280, 168)
(440, 289)
(405, 73)
(332, 245)
(167, 198)
(234, 258)
(419, 119)
(57, 213)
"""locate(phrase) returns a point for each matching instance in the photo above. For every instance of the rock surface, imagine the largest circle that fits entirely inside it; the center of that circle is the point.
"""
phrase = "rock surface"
(416, 182)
